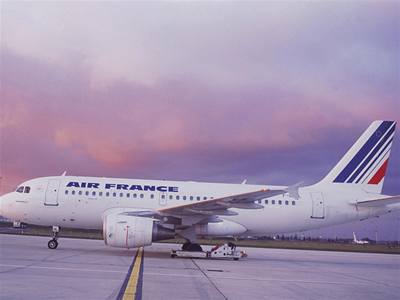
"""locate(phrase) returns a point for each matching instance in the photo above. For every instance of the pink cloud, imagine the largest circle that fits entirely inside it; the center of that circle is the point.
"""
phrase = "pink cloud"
(129, 126)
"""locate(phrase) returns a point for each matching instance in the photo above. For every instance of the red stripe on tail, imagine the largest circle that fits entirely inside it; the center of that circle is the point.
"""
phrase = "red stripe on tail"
(379, 175)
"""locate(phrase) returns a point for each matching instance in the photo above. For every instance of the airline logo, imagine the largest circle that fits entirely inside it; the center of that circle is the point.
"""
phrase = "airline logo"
(370, 162)
(130, 187)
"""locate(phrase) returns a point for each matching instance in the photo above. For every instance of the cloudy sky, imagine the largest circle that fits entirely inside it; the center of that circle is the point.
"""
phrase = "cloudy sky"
(274, 92)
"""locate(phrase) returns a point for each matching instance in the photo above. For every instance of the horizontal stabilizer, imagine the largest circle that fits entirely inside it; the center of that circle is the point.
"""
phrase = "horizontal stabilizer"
(379, 202)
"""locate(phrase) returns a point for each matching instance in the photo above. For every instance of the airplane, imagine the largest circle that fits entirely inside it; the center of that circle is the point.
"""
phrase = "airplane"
(134, 212)
(359, 242)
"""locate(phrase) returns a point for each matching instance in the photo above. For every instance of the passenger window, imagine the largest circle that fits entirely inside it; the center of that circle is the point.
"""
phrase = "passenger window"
(198, 198)
(80, 193)
(280, 202)
(141, 195)
(259, 201)
(204, 198)
(191, 197)
(163, 196)
(100, 194)
(128, 195)
(177, 197)
(107, 194)
(286, 202)
(114, 194)
(184, 197)
(134, 195)
(151, 196)
(73, 192)
(66, 192)
(121, 194)
(266, 201)
(87, 193)
(93, 193)
(20, 189)
(27, 190)
(170, 197)
(273, 202)
(293, 202)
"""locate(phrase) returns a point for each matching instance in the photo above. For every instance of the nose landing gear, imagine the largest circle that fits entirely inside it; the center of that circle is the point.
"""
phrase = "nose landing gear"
(53, 244)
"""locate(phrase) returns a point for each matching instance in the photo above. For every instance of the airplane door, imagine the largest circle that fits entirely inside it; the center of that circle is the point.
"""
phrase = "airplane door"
(163, 198)
(318, 209)
(51, 197)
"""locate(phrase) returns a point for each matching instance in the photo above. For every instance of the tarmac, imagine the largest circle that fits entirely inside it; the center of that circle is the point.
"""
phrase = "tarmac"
(88, 269)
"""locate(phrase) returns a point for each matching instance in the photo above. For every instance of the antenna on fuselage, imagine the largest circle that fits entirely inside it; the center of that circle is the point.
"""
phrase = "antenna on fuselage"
(64, 173)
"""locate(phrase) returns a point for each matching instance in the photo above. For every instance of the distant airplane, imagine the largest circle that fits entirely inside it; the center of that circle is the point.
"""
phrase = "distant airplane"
(360, 242)
(136, 212)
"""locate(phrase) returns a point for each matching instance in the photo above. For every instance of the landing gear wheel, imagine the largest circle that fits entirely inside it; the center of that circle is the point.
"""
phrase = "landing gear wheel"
(52, 244)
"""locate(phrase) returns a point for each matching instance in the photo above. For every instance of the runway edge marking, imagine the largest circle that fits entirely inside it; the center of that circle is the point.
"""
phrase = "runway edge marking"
(132, 286)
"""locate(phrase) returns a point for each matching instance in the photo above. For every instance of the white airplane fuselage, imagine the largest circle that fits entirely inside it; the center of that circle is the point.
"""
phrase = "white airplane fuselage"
(51, 201)
(136, 212)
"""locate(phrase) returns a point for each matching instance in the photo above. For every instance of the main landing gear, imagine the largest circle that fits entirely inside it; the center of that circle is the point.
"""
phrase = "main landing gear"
(188, 246)
(53, 244)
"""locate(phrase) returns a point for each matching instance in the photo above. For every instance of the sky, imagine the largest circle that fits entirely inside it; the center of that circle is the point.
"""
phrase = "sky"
(271, 92)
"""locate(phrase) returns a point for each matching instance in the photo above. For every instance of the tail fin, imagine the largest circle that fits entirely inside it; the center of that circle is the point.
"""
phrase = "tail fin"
(366, 162)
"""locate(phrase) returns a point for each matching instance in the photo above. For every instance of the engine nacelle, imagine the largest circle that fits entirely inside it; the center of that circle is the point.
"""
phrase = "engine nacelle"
(130, 232)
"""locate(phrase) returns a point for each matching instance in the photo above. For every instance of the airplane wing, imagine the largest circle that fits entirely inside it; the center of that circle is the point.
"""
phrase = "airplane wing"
(206, 211)
(221, 206)
(379, 202)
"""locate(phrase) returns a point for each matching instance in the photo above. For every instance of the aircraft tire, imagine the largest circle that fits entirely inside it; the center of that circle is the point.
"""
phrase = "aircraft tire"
(52, 244)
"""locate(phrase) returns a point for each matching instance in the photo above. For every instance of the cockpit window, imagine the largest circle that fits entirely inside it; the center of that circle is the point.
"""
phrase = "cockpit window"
(27, 189)
(20, 189)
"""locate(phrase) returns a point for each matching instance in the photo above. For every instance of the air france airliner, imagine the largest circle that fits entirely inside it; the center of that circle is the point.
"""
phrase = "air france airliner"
(359, 242)
(135, 212)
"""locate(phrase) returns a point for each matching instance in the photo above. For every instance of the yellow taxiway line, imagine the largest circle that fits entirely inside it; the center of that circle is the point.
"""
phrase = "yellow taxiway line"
(131, 290)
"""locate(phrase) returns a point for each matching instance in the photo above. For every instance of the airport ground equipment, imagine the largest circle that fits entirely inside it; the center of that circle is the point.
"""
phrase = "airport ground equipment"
(225, 251)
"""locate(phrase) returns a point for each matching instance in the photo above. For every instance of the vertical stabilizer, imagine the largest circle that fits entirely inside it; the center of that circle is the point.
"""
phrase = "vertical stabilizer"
(365, 164)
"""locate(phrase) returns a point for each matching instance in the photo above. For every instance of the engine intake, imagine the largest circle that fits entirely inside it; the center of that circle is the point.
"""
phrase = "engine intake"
(124, 231)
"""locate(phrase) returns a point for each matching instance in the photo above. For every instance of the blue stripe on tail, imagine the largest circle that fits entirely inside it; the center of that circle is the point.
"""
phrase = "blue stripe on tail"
(371, 155)
(374, 161)
(363, 152)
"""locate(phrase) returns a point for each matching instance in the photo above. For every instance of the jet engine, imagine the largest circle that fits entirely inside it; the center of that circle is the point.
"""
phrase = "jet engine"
(125, 231)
